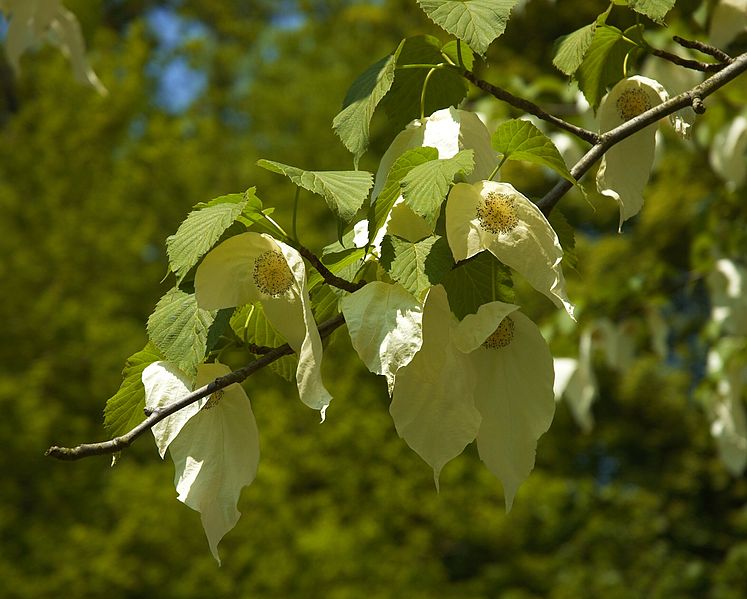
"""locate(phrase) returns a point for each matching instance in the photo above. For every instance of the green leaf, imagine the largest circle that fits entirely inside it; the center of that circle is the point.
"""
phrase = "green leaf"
(477, 22)
(477, 281)
(352, 123)
(572, 48)
(204, 226)
(653, 9)
(450, 50)
(392, 188)
(425, 186)
(603, 64)
(344, 263)
(521, 140)
(251, 325)
(416, 266)
(344, 191)
(566, 236)
(445, 88)
(124, 410)
(180, 330)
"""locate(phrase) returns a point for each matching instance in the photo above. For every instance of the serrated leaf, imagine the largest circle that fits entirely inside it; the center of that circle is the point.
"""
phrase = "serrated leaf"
(566, 236)
(572, 48)
(445, 86)
(392, 188)
(521, 140)
(603, 64)
(425, 186)
(180, 330)
(477, 281)
(344, 191)
(251, 325)
(653, 9)
(352, 123)
(124, 410)
(416, 266)
(203, 227)
(477, 22)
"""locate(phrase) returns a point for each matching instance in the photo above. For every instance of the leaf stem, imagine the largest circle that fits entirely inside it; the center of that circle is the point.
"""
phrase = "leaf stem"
(294, 231)
(422, 92)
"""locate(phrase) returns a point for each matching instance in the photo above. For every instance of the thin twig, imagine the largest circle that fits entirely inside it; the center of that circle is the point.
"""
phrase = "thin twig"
(118, 443)
(717, 53)
(695, 65)
(329, 277)
(530, 107)
(693, 97)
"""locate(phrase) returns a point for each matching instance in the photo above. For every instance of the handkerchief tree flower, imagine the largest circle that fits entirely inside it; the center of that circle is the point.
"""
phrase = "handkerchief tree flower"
(255, 267)
(625, 168)
(214, 444)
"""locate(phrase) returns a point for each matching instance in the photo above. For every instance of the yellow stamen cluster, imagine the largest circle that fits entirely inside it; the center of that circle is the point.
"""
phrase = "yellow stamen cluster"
(497, 213)
(502, 336)
(272, 275)
(631, 103)
(213, 400)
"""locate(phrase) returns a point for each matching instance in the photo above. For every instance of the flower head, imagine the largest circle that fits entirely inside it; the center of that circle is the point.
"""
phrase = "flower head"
(255, 267)
(488, 377)
(625, 167)
(495, 217)
(214, 443)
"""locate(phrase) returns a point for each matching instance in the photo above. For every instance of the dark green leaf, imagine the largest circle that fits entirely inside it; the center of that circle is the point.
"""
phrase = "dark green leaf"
(416, 266)
(477, 281)
(572, 48)
(124, 410)
(445, 86)
(603, 63)
(352, 123)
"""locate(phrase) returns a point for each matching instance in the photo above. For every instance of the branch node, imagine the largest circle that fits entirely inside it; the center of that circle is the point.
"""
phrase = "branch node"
(698, 105)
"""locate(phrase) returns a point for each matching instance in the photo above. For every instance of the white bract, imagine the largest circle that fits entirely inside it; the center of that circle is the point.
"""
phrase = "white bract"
(625, 167)
(495, 217)
(728, 155)
(575, 380)
(32, 21)
(450, 131)
(729, 19)
(255, 267)
(214, 444)
(488, 377)
(728, 291)
(385, 326)
(727, 412)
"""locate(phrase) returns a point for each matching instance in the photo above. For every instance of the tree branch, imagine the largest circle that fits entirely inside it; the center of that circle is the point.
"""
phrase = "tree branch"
(695, 65)
(118, 443)
(693, 97)
(329, 277)
(717, 53)
(530, 107)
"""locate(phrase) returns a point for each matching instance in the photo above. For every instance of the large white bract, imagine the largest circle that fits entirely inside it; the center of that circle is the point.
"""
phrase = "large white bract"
(625, 167)
(495, 217)
(214, 443)
(255, 267)
(487, 378)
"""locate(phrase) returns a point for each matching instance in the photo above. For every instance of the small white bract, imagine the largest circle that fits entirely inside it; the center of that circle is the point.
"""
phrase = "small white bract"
(255, 267)
(495, 217)
(625, 167)
(728, 154)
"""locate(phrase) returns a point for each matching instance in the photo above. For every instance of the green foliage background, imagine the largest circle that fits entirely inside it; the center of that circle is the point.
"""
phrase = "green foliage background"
(90, 187)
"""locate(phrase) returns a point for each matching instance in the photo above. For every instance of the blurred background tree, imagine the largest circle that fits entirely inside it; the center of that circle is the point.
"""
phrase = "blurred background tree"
(90, 187)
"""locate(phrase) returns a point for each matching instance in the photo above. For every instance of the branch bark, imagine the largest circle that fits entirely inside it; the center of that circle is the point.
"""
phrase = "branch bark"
(693, 97)
(118, 443)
